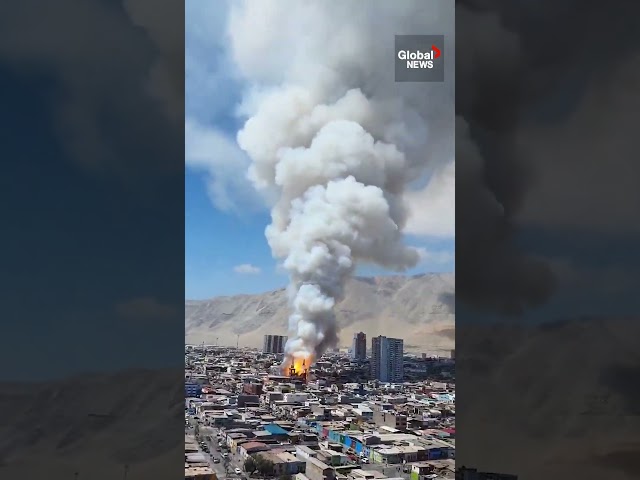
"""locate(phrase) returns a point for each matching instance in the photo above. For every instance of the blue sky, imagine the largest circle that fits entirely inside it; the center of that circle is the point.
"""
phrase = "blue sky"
(224, 218)
(217, 241)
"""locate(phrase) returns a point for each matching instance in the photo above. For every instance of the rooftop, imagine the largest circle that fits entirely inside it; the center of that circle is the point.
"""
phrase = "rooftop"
(275, 429)
(193, 471)
(254, 446)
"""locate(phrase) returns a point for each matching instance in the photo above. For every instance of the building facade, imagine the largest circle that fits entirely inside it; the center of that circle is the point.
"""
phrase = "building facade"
(386, 359)
(390, 419)
(192, 389)
(359, 347)
(274, 344)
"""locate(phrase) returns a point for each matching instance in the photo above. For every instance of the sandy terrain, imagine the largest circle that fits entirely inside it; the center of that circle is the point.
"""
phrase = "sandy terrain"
(419, 309)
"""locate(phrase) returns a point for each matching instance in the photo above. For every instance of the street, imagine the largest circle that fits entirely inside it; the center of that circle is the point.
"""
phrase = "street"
(209, 436)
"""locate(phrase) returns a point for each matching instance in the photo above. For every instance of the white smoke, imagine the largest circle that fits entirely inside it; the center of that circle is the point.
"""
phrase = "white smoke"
(334, 141)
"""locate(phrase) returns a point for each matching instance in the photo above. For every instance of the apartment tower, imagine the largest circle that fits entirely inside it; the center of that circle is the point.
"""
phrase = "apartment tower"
(359, 347)
(386, 359)
(274, 344)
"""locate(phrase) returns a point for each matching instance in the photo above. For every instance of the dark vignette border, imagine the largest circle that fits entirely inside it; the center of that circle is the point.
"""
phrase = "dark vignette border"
(92, 349)
(547, 230)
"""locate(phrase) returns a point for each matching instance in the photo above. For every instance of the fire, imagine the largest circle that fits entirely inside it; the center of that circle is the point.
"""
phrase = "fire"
(297, 365)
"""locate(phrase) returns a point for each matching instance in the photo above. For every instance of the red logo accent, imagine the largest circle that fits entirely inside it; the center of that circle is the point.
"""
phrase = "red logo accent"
(436, 51)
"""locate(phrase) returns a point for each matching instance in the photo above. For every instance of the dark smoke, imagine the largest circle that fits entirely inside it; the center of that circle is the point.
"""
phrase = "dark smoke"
(547, 227)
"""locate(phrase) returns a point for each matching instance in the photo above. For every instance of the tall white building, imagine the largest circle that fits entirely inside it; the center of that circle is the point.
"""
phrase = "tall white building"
(359, 346)
(386, 359)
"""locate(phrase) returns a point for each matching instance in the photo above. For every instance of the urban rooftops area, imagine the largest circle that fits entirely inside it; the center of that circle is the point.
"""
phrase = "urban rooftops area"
(355, 415)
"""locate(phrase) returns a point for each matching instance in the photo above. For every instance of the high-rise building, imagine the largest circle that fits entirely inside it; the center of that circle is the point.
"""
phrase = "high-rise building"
(274, 344)
(359, 347)
(386, 359)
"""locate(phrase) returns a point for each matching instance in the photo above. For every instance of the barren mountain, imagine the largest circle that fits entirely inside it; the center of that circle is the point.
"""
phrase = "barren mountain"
(419, 309)
(554, 401)
(93, 424)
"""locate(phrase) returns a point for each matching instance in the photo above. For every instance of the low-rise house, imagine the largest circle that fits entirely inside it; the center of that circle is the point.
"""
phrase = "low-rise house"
(317, 470)
(251, 448)
(279, 465)
(293, 465)
(277, 432)
(199, 473)
(233, 438)
(304, 452)
(333, 458)
(360, 474)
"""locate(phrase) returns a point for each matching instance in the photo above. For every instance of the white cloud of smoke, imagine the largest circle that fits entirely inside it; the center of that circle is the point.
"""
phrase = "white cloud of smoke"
(439, 195)
(216, 155)
(335, 142)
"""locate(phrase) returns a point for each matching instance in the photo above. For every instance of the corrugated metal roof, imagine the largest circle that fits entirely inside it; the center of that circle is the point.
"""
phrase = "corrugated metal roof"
(275, 429)
(254, 445)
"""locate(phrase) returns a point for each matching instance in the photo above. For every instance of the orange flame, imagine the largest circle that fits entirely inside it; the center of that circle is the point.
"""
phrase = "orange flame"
(300, 365)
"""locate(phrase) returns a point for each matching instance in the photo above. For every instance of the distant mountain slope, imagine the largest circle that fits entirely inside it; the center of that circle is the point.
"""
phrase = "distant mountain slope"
(94, 424)
(568, 391)
(419, 309)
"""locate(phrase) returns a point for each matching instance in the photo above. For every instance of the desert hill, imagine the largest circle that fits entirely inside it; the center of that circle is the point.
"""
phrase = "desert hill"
(94, 424)
(560, 400)
(419, 309)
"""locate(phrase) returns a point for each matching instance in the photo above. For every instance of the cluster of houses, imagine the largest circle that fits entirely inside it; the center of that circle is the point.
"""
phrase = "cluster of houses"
(323, 429)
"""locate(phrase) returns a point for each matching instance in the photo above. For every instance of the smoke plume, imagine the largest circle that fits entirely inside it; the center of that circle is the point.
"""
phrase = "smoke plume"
(492, 182)
(334, 142)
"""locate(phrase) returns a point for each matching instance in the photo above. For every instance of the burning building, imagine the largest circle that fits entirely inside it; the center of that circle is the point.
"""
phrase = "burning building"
(298, 369)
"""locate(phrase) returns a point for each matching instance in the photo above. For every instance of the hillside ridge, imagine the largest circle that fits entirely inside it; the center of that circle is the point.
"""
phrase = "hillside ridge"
(421, 307)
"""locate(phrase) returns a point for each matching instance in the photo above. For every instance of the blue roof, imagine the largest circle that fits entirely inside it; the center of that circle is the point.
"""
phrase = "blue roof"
(274, 429)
